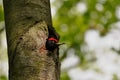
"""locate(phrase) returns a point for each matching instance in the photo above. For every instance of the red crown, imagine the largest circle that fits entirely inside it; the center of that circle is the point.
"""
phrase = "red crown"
(53, 39)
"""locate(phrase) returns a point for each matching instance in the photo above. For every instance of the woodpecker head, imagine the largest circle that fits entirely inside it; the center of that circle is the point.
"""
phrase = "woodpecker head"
(53, 38)
(52, 44)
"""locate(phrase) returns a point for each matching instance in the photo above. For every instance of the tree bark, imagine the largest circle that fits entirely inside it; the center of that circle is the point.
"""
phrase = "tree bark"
(27, 30)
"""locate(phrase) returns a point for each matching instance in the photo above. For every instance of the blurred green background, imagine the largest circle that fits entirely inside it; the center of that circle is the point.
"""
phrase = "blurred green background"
(90, 30)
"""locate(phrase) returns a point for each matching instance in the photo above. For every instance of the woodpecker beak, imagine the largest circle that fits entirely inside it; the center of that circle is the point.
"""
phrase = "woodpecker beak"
(60, 44)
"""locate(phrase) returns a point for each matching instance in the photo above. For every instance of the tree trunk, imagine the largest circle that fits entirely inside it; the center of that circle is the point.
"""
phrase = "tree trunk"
(27, 30)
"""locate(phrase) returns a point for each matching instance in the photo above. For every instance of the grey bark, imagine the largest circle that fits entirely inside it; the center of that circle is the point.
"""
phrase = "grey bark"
(26, 27)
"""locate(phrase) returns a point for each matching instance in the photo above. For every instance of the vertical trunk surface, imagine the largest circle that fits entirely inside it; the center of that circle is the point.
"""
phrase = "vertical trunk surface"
(26, 27)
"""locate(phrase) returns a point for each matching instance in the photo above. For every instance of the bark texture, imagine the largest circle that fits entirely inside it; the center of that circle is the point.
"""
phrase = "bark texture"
(26, 27)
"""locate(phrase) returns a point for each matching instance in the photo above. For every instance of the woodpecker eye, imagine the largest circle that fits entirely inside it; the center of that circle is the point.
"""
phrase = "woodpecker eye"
(52, 41)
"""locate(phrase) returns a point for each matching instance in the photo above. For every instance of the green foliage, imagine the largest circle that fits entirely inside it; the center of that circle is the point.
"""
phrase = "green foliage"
(72, 24)
(3, 78)
(2, 50)
(65, 76)
(1, 14)
(115, 77)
